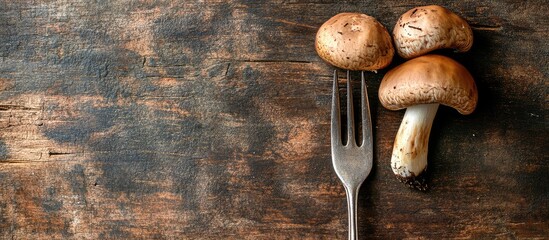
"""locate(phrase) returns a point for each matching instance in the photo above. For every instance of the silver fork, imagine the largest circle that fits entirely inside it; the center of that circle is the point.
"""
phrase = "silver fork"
(352, 163)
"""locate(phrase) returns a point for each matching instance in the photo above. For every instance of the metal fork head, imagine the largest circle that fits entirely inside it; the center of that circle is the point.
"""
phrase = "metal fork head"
(352, 163)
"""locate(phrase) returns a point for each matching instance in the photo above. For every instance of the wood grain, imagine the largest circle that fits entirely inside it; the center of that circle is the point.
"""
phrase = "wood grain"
(210, 120)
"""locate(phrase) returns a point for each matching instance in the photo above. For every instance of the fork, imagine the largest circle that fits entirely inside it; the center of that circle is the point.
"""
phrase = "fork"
(352, 163)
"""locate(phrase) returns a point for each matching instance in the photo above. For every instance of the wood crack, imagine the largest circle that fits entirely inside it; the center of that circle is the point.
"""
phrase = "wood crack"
(484, 27)
(295, 24)
(50, 153)
(9, 107)
(273, 61)
(227, 70)
(34, 161)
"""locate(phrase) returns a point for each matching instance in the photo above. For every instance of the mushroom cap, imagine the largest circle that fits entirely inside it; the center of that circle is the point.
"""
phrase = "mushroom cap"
(354, 41)
(429, 79)
(424, 29)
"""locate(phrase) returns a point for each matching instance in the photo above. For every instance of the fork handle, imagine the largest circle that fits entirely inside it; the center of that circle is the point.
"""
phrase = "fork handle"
(352, 197)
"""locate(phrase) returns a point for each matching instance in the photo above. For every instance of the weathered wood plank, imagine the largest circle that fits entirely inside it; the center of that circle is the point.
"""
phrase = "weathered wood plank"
(210, 120)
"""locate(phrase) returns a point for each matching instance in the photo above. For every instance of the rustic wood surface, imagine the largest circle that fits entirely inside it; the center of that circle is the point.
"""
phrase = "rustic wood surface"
(210, 120)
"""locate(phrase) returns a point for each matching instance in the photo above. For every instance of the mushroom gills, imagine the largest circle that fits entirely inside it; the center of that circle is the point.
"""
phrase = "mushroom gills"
(409, 159)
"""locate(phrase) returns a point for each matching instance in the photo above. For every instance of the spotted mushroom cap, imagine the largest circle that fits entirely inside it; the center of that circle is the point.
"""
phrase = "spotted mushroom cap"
(424, 29)
(354, 41)
(429, 79)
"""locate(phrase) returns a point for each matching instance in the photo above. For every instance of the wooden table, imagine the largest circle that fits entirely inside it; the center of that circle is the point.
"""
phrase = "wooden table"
(210, 120)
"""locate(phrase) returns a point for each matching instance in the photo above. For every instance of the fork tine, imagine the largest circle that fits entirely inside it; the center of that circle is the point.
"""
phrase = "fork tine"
(350, 112)
(336, 122)
(366, 119)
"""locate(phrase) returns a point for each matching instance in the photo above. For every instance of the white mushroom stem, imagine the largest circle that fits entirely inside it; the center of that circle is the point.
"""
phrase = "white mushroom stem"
(409, 157)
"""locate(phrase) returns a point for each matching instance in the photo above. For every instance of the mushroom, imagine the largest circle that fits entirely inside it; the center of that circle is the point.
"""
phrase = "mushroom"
(424, 29)
(420, 85)
(354, 41)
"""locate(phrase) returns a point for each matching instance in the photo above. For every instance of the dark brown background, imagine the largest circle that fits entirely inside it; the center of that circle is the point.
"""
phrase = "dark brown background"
(210, 120)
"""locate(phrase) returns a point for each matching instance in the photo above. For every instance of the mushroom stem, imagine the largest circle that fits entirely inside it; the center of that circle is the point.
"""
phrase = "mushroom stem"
(409, 159)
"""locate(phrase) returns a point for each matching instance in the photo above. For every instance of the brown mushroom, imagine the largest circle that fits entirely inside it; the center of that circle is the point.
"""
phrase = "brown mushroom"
(354, 41)
(424, 29)
(420, 85)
